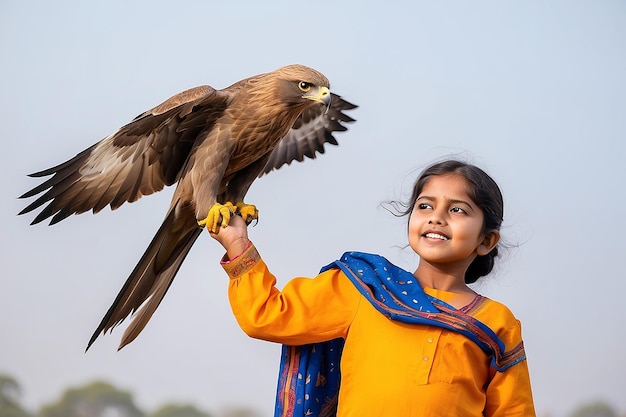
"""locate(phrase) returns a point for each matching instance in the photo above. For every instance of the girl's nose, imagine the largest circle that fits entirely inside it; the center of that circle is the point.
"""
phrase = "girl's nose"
(435, 218)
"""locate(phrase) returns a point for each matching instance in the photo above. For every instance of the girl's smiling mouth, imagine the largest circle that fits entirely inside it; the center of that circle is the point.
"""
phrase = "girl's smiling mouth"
(436, 235)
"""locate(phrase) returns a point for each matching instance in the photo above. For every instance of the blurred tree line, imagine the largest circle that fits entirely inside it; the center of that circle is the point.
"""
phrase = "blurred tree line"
(97, 399)
(101, 399)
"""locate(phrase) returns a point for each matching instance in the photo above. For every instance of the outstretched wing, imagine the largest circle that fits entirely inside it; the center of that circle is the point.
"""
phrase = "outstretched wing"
(313, 128)
(138, 159)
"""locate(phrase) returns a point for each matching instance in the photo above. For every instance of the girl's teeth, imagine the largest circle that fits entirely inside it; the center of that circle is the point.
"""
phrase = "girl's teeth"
(436, 236)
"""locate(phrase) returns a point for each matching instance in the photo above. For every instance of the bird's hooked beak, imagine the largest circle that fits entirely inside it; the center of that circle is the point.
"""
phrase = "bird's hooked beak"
(321, 95)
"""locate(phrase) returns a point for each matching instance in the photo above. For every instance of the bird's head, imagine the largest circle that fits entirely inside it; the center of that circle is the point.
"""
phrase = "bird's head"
(302, 86)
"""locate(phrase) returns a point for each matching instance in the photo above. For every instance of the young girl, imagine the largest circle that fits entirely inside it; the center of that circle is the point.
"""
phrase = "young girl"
(366, 338)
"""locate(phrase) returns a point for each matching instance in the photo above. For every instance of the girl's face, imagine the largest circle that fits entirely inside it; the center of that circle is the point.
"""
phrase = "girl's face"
(446, 226)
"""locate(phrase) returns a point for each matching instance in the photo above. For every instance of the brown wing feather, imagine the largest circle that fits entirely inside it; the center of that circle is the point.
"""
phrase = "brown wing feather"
(138, 159)
(311, 131)
(148, 283)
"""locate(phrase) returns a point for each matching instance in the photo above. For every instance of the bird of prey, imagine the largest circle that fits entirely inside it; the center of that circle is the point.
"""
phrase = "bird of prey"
(213, 144)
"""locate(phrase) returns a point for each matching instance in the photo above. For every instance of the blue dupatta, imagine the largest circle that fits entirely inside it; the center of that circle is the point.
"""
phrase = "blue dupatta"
(309, 379)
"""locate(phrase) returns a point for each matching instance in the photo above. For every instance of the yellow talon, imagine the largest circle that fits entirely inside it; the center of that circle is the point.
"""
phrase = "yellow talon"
(219, 216)
(248, 212)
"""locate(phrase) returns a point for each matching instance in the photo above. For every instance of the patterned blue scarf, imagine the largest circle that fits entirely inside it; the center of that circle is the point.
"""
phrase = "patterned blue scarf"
(308, 383)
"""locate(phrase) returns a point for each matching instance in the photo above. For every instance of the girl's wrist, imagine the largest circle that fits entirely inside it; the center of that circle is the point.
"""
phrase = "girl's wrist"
(237, 247)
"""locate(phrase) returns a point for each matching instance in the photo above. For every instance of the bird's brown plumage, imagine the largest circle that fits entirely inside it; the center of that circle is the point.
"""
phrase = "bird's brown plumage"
(213, 144)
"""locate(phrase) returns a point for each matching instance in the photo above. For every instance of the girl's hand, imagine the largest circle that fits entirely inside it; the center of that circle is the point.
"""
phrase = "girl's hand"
(234, 237)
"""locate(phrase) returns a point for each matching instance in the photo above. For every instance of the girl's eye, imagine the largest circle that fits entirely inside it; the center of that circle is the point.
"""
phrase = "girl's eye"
(457, 210)
(423, 206)
(304, 86)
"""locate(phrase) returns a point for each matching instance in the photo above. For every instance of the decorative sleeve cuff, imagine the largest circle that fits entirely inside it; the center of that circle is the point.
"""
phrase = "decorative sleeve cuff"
(242, 263)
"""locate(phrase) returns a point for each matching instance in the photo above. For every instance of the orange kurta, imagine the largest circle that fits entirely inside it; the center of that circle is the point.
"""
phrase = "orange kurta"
(388, 368)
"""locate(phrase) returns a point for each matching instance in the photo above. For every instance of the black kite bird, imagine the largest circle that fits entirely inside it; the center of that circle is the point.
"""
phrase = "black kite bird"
(213, 144)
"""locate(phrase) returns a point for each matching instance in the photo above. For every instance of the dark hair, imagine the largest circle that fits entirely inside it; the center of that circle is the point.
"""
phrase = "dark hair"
(483, 191)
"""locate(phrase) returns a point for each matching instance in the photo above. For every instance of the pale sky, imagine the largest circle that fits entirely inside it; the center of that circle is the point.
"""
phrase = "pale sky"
(534, 92)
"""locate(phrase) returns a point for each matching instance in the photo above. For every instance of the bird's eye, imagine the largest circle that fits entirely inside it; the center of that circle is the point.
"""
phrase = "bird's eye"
(304, 86)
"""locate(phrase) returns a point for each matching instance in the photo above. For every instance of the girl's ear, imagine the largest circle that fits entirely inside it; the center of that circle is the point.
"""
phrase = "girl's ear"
(489, 242)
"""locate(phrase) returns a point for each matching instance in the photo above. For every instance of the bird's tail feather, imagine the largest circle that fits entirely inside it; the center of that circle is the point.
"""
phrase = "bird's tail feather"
(148, 283)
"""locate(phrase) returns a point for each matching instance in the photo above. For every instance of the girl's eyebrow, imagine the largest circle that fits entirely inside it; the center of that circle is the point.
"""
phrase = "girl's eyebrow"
(467, 203)
(449, 200)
